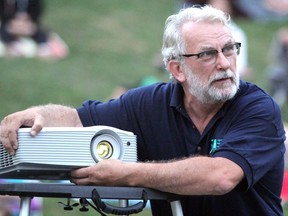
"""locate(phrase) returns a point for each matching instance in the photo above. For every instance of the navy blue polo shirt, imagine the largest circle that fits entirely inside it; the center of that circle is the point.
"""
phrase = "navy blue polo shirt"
(247, 130)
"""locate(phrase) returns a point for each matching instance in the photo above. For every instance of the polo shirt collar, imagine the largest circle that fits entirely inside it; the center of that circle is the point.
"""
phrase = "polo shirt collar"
(177, 96)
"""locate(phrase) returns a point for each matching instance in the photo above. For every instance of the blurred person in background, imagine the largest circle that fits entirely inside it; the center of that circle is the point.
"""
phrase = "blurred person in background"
(278, 67)
(22, 33)
(278, 85)
(263, 10)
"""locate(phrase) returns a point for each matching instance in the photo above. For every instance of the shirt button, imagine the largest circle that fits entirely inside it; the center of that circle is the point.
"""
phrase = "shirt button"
(199, 148)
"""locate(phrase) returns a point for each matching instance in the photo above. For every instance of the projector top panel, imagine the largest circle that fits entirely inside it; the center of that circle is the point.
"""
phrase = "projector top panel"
(75, 129)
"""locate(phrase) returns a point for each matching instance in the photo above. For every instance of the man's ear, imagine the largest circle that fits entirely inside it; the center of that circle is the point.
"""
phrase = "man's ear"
(176, 70)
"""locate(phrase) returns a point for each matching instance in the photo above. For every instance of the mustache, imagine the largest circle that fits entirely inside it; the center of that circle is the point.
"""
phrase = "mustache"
(223, 75)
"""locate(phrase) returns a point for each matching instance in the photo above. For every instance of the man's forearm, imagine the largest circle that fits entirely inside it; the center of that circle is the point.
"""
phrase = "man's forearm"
(192, 176)
(58, 115)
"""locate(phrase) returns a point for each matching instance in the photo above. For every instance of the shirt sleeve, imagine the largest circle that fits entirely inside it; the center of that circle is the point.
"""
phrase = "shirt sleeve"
(129, 112)
(255, 139)
(114, 113)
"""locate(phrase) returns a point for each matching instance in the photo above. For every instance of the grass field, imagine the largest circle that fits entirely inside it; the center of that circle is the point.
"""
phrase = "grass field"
(111, 43)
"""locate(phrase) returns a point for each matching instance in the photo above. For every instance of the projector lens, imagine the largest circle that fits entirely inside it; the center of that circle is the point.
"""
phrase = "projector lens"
(106, 144)
(104, 150)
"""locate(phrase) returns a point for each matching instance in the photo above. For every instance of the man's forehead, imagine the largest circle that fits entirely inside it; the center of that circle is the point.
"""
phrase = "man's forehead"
(203, 31)
(203, 24)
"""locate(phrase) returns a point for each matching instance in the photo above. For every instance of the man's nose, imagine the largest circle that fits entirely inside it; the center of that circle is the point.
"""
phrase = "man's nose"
(222, 62)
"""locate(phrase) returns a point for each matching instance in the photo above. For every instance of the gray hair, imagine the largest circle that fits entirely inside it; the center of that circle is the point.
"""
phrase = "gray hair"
(173, 43)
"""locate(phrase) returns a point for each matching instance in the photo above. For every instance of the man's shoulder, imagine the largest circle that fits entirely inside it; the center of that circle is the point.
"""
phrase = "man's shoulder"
(253, 98)
(250, 91)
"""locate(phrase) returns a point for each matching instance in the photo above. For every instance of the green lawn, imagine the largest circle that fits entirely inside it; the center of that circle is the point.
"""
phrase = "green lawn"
(111, 43)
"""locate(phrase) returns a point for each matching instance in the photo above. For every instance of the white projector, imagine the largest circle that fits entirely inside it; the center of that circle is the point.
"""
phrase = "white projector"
(57, 150)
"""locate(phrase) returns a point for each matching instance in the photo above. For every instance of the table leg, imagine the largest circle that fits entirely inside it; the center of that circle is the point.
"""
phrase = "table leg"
(123, 203)
(25, 206)
(176, 208)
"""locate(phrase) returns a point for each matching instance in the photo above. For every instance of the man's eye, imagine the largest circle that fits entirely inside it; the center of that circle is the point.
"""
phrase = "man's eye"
(228, 49)
(207, 54)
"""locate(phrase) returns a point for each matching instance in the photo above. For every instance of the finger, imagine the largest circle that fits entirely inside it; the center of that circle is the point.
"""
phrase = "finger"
(8, 148)
(37, 126)
(81, 181)
(13, 137)
(79, 176)
(79, 173)
(10, 141)
(8, 138)
(9, 145)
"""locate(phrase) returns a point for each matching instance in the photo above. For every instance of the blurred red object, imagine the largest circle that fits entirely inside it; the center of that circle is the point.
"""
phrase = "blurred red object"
(284, 194)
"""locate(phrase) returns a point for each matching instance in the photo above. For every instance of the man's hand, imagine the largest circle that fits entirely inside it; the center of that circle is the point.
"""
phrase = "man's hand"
(107, 172)
(11, 123)
(51, 115)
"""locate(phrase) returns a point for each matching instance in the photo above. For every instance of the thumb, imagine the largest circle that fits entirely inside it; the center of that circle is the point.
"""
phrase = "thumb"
(37, 126)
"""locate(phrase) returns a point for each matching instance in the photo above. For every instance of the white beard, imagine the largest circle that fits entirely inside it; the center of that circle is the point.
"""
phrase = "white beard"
(209, 93)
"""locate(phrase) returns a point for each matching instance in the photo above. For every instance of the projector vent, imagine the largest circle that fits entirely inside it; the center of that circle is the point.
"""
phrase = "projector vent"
(6, 159)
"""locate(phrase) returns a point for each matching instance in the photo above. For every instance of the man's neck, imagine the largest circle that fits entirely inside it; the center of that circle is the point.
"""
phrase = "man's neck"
(200, 113)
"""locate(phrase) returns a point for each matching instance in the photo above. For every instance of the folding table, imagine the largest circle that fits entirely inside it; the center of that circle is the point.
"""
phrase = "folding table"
(26, 191)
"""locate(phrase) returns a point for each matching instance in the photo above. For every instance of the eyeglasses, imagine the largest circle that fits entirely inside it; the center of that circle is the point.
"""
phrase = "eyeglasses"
(210, 56)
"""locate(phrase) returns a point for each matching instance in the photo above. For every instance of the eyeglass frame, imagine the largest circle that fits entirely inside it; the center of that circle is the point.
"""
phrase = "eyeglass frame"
(215, 52)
